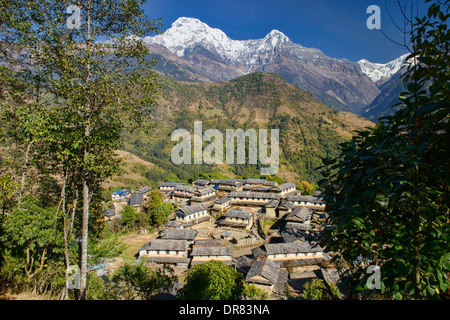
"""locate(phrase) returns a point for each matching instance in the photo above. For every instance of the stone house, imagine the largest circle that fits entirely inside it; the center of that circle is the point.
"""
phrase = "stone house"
(259, 199)
(287, 253)
(206, 196)
(166, 252)
(190, 215)
(267, 275)
(210, 249)
(237, 218)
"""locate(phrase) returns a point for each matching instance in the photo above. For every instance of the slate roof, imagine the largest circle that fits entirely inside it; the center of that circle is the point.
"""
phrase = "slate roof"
(235, 224)
(214, 250)
(293, 247)
(144, 189)
(187, 210)
(171, 184)
(136, 199)
(255, 181)
(301, 214)
(295, 232)
(222, 200)
(286, 186)
(163, 244)
(272, 204)
(204, 191)
(294, 226)
(237, 213)
(258, 253)
(208, 242)
(227, 182)
(285, 204)
(173, 224)
(184, 188)
(267, 269)
(179, 234)
(254, 195)
(298, 198)
(201, 182)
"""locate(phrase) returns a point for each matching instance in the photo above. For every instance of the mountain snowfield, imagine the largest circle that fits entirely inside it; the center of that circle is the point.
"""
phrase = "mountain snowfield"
(379, 71)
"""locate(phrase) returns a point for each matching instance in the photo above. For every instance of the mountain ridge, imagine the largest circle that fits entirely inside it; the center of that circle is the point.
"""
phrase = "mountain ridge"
(379, 73)
(210, 53)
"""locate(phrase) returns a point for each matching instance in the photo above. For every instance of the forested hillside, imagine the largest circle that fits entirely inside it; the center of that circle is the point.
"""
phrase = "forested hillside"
(309, 130)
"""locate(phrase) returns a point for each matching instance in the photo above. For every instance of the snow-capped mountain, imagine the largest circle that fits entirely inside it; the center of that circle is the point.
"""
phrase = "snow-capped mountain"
(191, 50)
(187, 33)
(379, 71)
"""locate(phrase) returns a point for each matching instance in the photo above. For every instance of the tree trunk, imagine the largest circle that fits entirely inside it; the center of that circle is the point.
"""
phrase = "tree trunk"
(84, 233)
(87, 133)
(24, 170)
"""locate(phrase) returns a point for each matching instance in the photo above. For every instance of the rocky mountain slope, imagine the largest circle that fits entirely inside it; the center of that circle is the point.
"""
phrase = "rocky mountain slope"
(380, 73)
(388, 78)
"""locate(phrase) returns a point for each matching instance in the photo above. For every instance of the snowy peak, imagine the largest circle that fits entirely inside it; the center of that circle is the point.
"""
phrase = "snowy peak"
(276, 34)
(378, 71)
(208, 53)
(186, 33)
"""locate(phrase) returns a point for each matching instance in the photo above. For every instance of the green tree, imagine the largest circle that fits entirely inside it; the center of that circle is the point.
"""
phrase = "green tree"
(155, 200)
(212, 280)
(98, 88)
(161, 214)
(30, 234)
(251, 292)
(106, 248)
(8, 188)
(316, 289)
(129, 215)
(306, 187)
(141, 282)
(388, 192)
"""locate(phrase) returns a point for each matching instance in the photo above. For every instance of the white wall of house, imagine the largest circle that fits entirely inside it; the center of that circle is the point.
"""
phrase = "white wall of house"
(192, 216)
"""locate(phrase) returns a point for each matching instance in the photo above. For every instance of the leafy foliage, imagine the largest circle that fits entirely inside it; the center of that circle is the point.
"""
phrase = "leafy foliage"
(388, 192)
(212, 280)
(30, 235)
(316, 289)
(133, 282)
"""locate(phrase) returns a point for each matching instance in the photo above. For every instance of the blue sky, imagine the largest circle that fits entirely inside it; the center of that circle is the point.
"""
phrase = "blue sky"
(338, 28)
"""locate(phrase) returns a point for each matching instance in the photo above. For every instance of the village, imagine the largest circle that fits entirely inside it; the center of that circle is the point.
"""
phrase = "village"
(268, 232)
